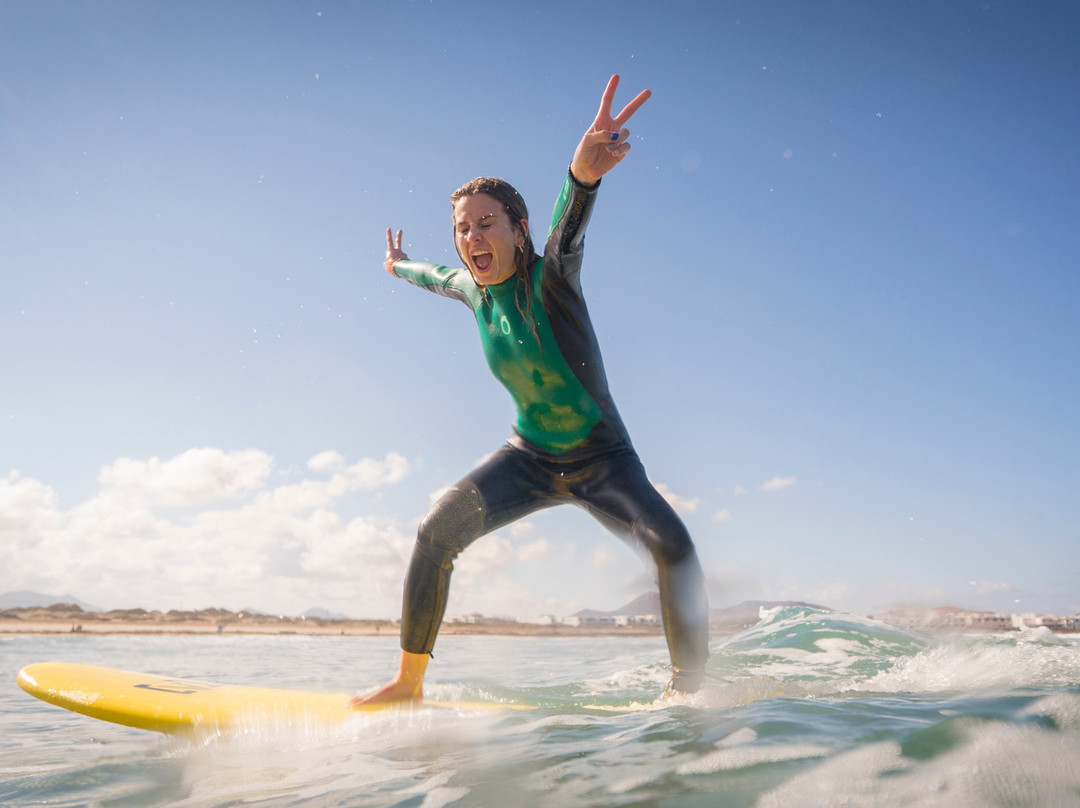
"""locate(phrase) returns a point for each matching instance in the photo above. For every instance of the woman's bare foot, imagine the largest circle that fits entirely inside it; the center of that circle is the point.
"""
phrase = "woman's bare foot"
(407, 686)
(392, 691)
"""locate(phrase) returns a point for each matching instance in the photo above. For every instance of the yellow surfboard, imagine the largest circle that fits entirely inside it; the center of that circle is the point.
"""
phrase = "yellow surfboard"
(182, 706)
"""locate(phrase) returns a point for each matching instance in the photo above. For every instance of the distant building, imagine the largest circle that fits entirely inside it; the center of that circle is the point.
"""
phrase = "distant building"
(953, 619)
(598, 620)
(542, 620)
(1054, 622)
(988, 621)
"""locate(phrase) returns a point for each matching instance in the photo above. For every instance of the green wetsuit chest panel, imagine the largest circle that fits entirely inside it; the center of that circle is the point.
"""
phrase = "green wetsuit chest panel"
(554, 410)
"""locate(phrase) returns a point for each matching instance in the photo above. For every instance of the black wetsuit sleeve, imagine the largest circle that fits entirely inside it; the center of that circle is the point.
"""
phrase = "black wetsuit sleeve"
(566, 239)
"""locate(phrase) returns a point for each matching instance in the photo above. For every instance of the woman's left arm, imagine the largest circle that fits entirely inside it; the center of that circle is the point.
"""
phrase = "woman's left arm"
(604, 143)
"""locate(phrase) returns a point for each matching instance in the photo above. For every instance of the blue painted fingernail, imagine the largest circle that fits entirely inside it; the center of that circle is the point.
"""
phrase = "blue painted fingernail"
(614, 135)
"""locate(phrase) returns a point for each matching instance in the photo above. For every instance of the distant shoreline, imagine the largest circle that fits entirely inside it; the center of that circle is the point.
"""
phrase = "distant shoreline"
(348, 628)
(215, 621)
(68, 619)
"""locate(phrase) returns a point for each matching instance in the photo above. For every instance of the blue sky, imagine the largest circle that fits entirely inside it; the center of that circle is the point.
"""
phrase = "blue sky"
(835, 282)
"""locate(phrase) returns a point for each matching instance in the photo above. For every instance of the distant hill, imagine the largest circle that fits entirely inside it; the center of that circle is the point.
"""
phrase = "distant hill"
(748, 612)
(649, 603)
(318, 613)
(36, 600)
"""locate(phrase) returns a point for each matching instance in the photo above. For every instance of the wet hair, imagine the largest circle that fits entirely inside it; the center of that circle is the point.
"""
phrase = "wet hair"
(512, 202)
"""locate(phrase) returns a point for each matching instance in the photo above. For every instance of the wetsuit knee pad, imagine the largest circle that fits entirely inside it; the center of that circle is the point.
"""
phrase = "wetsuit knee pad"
(452, 524)
(667, 539)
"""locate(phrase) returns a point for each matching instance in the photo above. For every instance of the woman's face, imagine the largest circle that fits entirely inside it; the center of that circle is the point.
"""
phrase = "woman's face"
(485, 239)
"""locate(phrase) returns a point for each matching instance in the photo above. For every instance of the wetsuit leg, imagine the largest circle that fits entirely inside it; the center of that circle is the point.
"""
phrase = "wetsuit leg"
(506, 487)
(617, 491)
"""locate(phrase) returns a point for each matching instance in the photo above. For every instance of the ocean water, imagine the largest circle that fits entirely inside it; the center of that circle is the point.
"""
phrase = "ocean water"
(807, 708)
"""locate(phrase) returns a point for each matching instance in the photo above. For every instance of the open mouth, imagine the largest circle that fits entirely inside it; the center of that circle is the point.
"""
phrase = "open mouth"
(482, 260)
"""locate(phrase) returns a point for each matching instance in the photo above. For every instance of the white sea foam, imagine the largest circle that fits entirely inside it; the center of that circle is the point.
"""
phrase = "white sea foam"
(1062, 708)
(998, 765)
(630, 783)
(851, 775)
(980, 662)
(737, 738)
(743, 757)
(1040, 635)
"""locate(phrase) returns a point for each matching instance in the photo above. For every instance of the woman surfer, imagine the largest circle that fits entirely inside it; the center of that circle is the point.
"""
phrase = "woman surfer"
(569, 443)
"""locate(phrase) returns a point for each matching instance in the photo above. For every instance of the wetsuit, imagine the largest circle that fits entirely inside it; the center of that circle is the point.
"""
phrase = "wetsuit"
(569, 443)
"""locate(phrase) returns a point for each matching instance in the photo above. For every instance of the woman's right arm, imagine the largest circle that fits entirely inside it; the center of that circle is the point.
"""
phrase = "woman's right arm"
(433, 277)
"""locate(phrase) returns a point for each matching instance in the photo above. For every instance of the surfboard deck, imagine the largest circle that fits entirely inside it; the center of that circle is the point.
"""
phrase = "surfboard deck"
(182, 706)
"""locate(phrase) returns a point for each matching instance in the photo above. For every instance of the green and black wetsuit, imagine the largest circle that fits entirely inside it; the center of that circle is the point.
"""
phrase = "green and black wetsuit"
(569, 443)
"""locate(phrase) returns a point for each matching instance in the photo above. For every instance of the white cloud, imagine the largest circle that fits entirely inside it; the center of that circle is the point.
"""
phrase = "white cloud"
(437, 494)
(236, 543)
(521, 529)
(740, 490)
(195, 477)
(778, 483)
(27, 509)
(497, 595)
(29, 515)
(602, 557)
(485, 556)
(369, 474)
(335, 551)
(723, 515)
(327, 462)
(534, 551)
(679, 503)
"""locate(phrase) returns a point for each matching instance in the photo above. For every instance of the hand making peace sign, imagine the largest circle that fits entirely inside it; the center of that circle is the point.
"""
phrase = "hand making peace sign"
(604, 144)
(394, 253)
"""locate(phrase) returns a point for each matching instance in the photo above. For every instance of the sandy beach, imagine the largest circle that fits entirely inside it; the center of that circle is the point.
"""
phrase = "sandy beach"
(56, 620)
(64, 618)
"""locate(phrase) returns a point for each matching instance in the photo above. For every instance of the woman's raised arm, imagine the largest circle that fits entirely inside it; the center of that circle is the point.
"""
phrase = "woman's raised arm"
(604, 143)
